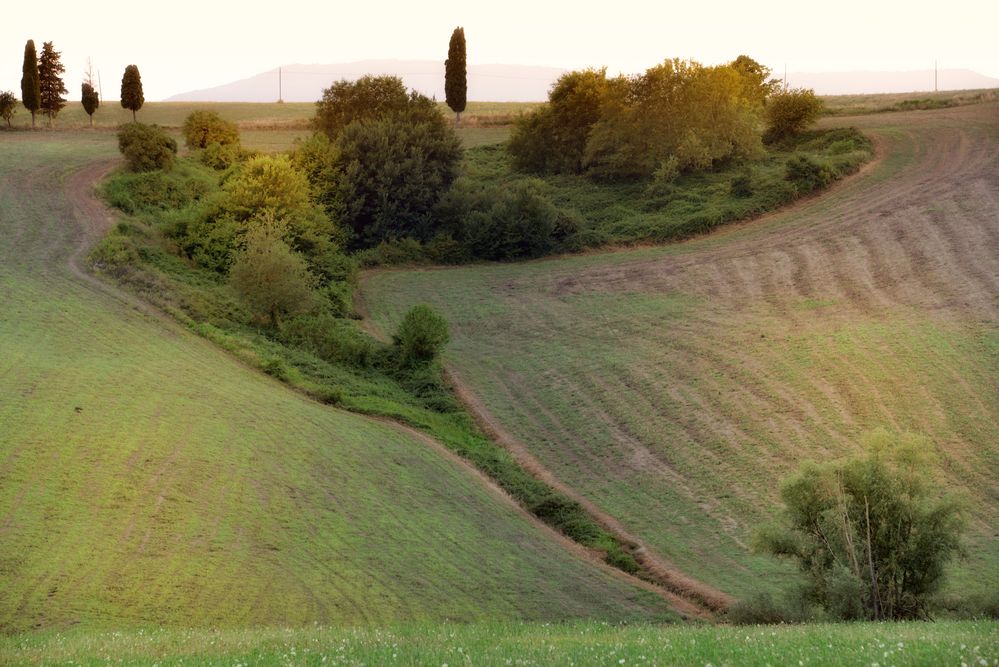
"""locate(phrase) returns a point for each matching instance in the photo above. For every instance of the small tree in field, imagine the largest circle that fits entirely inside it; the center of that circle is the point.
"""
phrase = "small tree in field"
(369, 97)
(455, 74)
(131, 90)
(8, 106)
(869, 532)
(271, 278)
(90, 100)
(203, 128)
(50, 84)
(788, 112)
(31, 95)
(421, 336)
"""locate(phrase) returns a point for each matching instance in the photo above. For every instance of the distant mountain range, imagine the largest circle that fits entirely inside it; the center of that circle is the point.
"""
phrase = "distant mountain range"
(305, 83)
(525, 83)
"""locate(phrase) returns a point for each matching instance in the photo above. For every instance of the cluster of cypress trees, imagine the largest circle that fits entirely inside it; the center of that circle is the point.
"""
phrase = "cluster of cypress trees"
(42, 87)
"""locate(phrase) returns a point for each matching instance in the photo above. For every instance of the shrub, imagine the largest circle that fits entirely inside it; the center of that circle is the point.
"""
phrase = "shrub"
(146, 147)
(760, 609)
(868, 532)
(394, 171)
(554, 137)
(808, 174)
(789, 112)
(221, 156)
(421, 335)
(515, 221)
(159, 190)
(271, 278)
(114, 255)
(370, 97)
(330, 338)
(742, 184)
(203, 128)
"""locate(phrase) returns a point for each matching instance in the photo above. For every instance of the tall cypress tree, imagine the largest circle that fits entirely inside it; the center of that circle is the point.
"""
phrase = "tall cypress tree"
(455, 75)
(90, 100)
(131, 90)
(30, 92)
(50, 85)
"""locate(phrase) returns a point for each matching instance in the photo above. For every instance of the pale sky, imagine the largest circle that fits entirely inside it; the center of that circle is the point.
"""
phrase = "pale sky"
(182, 45)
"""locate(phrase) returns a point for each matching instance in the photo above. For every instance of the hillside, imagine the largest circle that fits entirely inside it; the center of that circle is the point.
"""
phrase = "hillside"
(674, 387)
(148, 478)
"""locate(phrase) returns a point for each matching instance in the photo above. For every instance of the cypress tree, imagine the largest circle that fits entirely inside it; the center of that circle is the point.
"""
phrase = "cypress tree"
(90, 100)
(455, 75)
(131, 90)
(50, 85)
(30, 92)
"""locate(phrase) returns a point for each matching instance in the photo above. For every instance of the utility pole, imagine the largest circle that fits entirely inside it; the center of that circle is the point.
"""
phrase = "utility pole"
(100, 90)
(785, 77)
(934, 76)
(280, 86)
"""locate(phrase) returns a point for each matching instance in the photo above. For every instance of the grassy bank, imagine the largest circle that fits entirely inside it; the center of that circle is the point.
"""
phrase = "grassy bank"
(900, 644)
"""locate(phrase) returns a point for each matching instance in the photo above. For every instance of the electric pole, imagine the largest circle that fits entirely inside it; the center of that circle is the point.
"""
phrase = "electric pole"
(934, 76)
(280, 86)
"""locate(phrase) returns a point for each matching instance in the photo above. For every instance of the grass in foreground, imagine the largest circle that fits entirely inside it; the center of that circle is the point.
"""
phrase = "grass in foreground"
(971, 643)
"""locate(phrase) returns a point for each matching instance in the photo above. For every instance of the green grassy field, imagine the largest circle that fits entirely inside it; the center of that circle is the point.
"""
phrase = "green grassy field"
(247, 115)
(899, 644)
(674, 387)
(147, 477)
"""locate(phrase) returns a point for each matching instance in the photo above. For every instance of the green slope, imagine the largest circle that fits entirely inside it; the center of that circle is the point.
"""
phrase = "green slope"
(674, 387)
(147, 477)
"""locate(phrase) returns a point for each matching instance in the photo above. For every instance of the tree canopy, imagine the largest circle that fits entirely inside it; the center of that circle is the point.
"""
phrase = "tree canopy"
(369, 97)
(50, 83)
(678, 112)
(90, 100)
(8, 105)
(455, 74)
(30, 89)
(871, 533)
(131, 90)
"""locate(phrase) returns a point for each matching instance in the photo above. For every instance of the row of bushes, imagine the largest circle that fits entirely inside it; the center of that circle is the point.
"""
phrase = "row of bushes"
(677, 116)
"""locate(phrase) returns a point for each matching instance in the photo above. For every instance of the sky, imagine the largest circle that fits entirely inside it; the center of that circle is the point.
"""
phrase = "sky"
(191, 44)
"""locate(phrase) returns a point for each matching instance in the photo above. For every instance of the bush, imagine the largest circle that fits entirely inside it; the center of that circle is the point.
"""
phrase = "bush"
(807, 174)
(394, 171)
(789, 112)
(330, 338)
(221, 156)
(742, 185)
(515, 222)
(114, 255)
(271, 278)
(553, 138)
(368, 98)
(146, 147)
(159, 190)
(421, 336)
(868, 532)
(203, 128)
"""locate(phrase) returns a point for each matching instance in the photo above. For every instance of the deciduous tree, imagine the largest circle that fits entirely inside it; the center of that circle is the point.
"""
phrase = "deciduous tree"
(50, 84)
(871, 533)
(271, 278)
(421, 336)
(8, 106)
(30, 91)
(369, 97)
(131, 90)
(455, 74)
